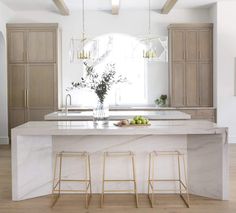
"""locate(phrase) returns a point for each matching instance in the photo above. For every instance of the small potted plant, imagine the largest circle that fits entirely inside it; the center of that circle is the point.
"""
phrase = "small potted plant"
(162, 101)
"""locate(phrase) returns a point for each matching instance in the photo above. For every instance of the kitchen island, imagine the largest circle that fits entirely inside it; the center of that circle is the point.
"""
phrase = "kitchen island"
(35, 144)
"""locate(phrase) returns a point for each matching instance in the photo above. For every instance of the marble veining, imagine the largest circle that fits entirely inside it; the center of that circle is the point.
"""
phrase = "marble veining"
(35, 144)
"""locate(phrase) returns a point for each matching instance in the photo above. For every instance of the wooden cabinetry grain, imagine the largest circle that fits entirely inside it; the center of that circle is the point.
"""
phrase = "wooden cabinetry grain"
(41, 48)
(32, 71)
(191, 44)
(191, 84)
(178, 90)
(17, 46)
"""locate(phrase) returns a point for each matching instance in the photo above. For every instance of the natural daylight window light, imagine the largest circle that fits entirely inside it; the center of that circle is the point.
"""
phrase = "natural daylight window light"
(126, 53)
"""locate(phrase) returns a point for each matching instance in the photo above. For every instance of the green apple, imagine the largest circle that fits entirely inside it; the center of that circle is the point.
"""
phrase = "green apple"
(144, 121)
(133, 122)
(138, 122)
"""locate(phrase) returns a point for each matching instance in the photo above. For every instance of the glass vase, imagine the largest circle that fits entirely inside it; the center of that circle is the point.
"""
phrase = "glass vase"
(101, 114)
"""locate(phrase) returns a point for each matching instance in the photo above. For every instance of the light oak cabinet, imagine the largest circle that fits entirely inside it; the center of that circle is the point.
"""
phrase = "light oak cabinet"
(191, 69)
(178, 83)
(17, 46)
(42, 46)
(32, 72)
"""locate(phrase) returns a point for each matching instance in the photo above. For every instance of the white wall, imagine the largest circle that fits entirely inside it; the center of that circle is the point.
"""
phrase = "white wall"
(224, 16)
(128, 22)
(5, 14)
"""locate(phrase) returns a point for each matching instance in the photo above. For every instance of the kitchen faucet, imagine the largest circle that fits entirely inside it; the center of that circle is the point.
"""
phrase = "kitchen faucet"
(66, 107)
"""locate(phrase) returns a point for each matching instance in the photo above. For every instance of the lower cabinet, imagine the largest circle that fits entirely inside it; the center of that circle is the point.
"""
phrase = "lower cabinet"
(32, 92)
(201, 114)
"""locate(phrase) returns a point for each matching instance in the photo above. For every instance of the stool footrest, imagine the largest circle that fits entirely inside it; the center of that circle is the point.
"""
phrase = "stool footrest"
(111, 191)
(119, 180)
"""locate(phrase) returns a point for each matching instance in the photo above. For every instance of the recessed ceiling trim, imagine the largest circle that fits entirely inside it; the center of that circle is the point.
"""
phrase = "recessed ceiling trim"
(61, 5)
(168, 6)
(115, 7)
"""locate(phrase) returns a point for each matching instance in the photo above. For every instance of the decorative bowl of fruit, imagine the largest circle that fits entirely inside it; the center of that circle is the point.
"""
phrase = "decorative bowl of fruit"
(136, 121)
(140, 120)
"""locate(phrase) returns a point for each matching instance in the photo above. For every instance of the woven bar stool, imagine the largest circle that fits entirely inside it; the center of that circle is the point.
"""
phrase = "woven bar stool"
(58, 176)
(183, 186)
(108, 155)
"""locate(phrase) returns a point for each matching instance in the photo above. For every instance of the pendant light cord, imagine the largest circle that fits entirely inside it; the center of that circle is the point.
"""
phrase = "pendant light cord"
(83, 25)
(149, 17)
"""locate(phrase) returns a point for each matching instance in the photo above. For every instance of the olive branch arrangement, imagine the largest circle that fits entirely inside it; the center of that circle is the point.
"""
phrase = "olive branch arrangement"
(100, 84)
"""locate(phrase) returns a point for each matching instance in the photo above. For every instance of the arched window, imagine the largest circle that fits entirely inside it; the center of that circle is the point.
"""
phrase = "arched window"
(126, 53)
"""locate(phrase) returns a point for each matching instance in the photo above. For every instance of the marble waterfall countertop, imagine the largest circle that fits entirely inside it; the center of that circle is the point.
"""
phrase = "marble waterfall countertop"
(183, 127)
(117, 115)
(35, 144)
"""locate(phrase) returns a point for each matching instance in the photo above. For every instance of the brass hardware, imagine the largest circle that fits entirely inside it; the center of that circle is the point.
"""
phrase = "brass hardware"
(183, 188)
(134, 180)
(56, 190)
(27, 99)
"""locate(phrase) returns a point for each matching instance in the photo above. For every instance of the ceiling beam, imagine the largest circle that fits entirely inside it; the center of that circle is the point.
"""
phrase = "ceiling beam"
(115, 4)
(168, 6)
(61, 5)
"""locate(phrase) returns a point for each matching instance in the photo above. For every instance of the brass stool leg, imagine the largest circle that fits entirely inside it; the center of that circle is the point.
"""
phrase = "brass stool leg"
(59, 181)
(103, 179)
(149, 177)
(186, 187)
(88, 180)
(179, 172)
(135, 181)
(54, 196)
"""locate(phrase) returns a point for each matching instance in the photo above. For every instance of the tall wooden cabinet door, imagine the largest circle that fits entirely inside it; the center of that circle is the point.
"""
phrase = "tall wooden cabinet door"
(191, 84)
(16, 94)
(191, 45)
(16, 46)
(206, 84)
(178, 90)
(205, 45)
(42, 90)
(178, 45)
(42, 46)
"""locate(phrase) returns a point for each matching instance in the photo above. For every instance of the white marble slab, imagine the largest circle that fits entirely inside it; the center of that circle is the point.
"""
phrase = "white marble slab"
(34, 146)
(117, 115)
(87, 128)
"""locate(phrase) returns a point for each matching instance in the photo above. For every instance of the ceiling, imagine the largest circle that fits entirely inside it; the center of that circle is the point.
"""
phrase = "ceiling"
(19, 5)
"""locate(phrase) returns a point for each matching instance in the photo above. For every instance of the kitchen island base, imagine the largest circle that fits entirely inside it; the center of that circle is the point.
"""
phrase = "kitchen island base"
(206, 155)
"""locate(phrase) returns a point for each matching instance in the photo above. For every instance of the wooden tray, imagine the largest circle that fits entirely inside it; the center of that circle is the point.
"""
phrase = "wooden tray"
(132, 125)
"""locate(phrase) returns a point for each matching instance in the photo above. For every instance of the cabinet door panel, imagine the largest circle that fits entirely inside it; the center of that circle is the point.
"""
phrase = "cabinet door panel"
(41, 46)
(178, 94)
(41, 86)
(191, 45)
(178, 45)
(17, 85)
(205, 45)
(37, 114)
(16, 47)
(191, 84)
(206, 84)
(16, 117)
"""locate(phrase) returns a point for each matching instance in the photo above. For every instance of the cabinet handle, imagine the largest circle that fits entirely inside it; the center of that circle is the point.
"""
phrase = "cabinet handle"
(199, 55)
(27, 99)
